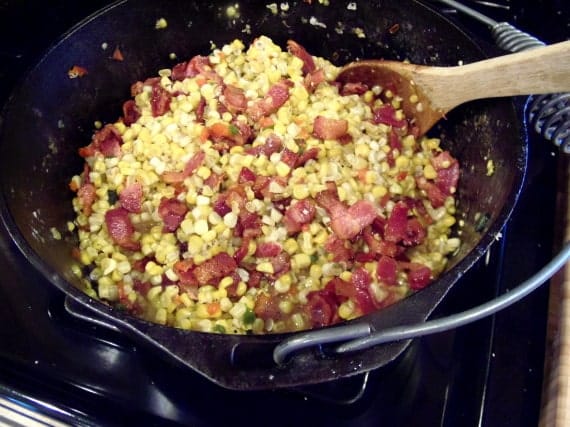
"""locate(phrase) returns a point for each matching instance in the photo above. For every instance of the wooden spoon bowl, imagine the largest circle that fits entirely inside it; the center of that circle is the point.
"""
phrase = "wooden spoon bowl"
(428, 93)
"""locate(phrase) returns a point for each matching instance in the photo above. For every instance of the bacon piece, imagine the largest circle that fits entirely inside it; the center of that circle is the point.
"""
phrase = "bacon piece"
(299, 51)
(379, 247)
(434, 194)
(131, 112)
(267, 250)
(387, 270)
(447, 169)
(172, 212)
(246, 175)
(299, 214)
(214, 181)
(197, 65)
(107, 141)
(87, 195)
(338, 247)
(131, 197)
(263, 186)
(267, 307)
(242, 251)
(234, 99)
(310, 154)
(277, 95)
(353, 89)
(395, 229)
(386, 114)
(184, 269)
(214, 269)
(191, 165)
(159, 100)
(314, 79)
(321, 308)
(419, 275)
(200, 110)
(281, 264)
(326, 128)
(272, 145)
(121, 229)
(346, 222)
(248, 225)
(361, 281)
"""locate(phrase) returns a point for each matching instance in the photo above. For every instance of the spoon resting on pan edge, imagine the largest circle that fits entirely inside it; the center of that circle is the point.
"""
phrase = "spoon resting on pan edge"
(428, 93)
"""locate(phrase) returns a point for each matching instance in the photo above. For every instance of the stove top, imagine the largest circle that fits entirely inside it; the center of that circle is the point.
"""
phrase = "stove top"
(488, 373)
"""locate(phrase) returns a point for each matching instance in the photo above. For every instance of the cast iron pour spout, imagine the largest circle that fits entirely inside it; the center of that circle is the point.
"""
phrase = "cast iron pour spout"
(429, 93)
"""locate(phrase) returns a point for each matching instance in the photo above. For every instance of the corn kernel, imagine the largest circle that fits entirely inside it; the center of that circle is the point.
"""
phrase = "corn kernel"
(265, 267)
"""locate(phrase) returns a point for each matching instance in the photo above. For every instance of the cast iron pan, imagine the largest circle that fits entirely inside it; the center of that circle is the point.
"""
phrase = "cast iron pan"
(50, 116)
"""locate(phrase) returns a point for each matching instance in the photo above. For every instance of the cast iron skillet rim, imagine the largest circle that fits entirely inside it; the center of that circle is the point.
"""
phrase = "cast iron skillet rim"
(136, 325)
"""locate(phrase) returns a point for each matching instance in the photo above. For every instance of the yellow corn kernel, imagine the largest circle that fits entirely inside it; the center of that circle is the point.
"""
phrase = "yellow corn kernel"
(346, 275)
(265, 267)
(300, 261)
(225, 282)
(300, 191)
(379, 191)
(316, 272)
(346, 310)
(241, 289)
(201, 227)
(209, 236)
(429, 172)
(282, 169)
(290, 246)
(153, 269)
(402, 162)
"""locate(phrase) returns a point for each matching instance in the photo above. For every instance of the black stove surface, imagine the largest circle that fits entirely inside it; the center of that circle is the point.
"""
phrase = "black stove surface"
(488, 373)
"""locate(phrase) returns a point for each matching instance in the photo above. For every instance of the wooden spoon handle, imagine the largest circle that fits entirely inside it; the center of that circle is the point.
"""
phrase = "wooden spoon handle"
(537, 71)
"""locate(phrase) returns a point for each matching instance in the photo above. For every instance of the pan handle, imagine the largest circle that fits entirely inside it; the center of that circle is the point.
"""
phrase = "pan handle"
(362, 339)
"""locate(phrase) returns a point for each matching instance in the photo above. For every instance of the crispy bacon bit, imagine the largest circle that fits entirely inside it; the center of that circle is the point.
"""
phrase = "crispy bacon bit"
(361, 281)
(277, 95)
(326, 128)
(386, 114)
(272, 145)
(299, 51)
(246, 175)
(419, 275)
(387, 270)
(184, 269)
(131, 197)
(211, 271)
(447, 169)
(191, 165)
(394, 28)
(281, 264)
(172, 212)
(310, 154)
(267, 307)
(214, 181)
(87, 196)
(346, 222)
(197, 65)
(118, 55)
(248, 225)
(131, 112)
(76, 71)
(299, 214)
(434, 194)
(339, 248)
(234, 99)
(321, 308)
(379, 247)
(267, 250)
(353, 89)
(159, 100)
(200, 109)
(121, 229)
(395, 229)
(314, 79)
(107, 141)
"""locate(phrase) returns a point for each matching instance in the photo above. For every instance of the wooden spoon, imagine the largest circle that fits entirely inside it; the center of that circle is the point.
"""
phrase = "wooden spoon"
(428, 93)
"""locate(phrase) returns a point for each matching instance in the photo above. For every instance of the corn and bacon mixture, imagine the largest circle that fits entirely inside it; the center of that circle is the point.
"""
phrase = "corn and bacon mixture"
(247, 192)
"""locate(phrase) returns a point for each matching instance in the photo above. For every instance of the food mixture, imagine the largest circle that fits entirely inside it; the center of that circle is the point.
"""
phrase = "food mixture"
(247, 192)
